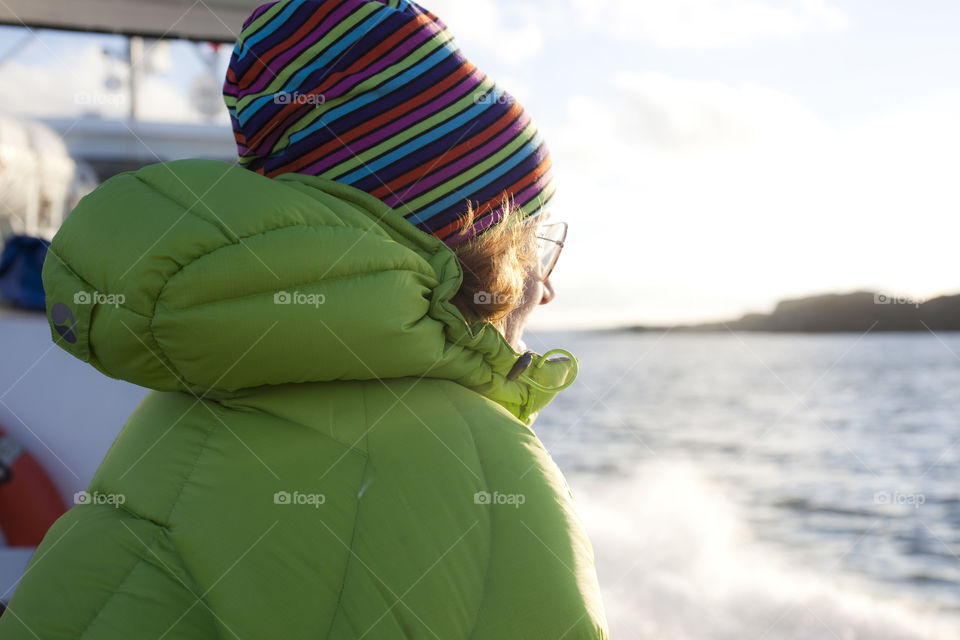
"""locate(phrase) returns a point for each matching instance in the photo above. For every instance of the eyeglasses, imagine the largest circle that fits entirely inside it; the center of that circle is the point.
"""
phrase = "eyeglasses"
(549, 244)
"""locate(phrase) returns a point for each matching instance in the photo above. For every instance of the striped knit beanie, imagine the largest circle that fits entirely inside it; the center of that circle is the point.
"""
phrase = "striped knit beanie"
(377, 95)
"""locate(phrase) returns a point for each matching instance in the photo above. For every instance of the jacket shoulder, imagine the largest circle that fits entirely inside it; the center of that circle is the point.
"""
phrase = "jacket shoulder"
(460, 474)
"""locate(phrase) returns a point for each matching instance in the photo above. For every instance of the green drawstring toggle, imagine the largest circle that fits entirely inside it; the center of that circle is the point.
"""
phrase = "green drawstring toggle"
(543, 359)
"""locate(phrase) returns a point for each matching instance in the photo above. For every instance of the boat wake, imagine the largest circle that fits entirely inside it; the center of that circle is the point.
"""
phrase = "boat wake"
(676, 560)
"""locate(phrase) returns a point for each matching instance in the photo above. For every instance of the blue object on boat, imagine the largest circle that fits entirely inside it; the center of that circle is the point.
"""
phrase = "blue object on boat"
(20, 265)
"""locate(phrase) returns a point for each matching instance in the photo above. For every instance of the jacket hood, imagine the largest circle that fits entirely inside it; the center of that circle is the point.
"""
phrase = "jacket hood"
(203, 276)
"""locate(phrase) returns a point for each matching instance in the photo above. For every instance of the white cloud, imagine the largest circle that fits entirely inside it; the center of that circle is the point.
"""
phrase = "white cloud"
(708, 23)
(74, 85)
(512, 35)
(745, 198)
(677, 114)
(828, 15)
(39, 90)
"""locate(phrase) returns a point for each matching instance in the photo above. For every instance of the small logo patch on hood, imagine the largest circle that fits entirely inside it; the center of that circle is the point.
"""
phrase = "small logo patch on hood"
(63, 322)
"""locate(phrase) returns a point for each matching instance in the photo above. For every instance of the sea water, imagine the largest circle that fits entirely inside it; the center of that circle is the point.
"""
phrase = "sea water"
(766, 486)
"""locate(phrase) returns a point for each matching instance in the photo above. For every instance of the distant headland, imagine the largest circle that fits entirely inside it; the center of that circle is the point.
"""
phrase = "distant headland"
(842, 312)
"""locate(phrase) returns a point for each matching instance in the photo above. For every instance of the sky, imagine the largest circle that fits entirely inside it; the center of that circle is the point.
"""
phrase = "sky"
(712, 156)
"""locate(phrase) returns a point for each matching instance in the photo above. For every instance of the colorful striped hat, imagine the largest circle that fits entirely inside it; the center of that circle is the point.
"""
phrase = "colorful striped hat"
(377, 95)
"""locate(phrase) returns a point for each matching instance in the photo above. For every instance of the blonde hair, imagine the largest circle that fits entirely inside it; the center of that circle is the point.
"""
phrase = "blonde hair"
(496, 264)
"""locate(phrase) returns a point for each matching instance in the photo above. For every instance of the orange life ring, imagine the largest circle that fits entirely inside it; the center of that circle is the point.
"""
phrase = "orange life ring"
(29, 501)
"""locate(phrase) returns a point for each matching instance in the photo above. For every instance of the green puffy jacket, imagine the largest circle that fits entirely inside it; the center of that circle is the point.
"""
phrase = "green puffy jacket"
(330, 450)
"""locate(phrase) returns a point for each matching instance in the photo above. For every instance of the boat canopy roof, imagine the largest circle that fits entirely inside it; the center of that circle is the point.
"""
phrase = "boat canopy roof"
(203, 20)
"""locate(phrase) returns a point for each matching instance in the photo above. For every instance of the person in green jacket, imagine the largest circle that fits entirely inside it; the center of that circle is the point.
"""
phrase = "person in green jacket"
(338, 442)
